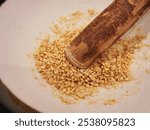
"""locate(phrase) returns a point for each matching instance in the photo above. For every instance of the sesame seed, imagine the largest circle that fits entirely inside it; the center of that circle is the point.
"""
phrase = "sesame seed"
(111, 68)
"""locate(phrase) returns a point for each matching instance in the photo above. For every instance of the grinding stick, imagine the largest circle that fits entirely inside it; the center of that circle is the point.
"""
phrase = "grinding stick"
(104, 30)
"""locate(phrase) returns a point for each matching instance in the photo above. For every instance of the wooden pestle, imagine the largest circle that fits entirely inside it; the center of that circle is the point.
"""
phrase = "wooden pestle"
(104, 30)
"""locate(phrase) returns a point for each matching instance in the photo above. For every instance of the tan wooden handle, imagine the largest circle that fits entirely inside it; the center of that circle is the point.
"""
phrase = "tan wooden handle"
(104, 30)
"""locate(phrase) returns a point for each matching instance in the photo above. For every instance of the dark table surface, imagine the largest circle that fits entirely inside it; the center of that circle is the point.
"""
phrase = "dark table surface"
(3, 109)
(2, 1)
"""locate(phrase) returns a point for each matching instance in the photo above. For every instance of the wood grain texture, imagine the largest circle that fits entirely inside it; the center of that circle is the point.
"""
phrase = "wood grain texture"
(104, 30)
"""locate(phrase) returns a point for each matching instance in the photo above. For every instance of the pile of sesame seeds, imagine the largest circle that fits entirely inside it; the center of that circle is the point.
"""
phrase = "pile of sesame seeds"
(110, 69)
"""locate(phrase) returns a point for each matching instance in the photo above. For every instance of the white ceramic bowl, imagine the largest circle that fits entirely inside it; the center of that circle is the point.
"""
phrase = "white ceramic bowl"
(21, 22)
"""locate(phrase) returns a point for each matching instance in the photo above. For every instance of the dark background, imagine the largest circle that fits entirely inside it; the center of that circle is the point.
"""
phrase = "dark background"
(1, 1)
(2, 108)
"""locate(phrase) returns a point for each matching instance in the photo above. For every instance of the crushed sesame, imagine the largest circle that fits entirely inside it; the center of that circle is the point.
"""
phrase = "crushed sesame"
(110, 102)
(147, 71)
(110, 69)
(91, 12)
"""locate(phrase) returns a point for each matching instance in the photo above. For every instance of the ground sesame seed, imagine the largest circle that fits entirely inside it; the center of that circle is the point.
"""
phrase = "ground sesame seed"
(111, 68)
